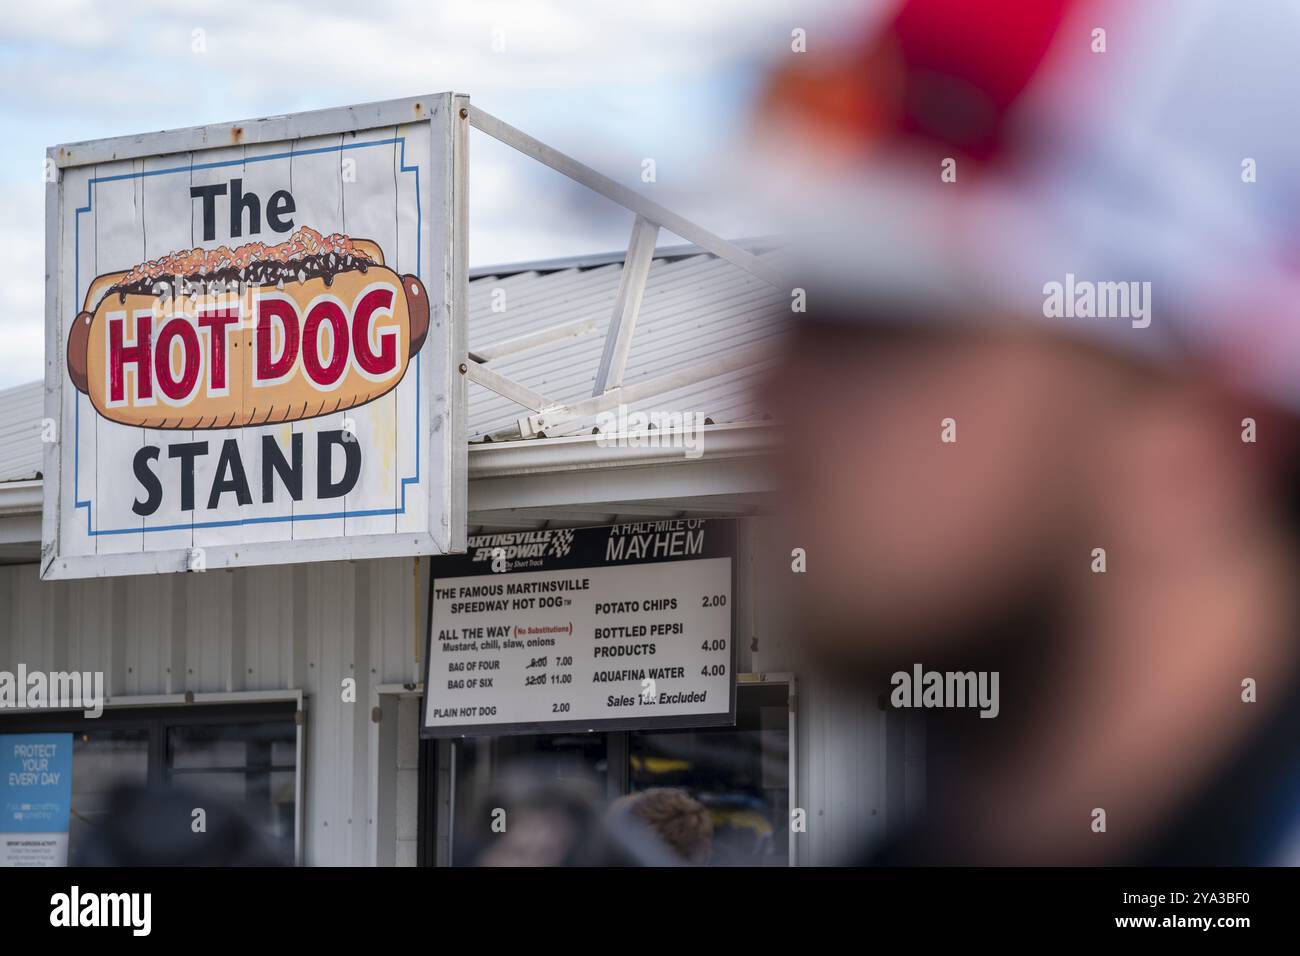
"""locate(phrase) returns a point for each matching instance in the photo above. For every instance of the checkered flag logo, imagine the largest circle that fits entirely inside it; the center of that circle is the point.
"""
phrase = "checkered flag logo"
(561, 543)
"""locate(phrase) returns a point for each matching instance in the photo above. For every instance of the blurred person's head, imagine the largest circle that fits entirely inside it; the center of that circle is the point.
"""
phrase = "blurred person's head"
(923, 544)
(675, 817)
(987, 471)
(532, 815)
(955, 442)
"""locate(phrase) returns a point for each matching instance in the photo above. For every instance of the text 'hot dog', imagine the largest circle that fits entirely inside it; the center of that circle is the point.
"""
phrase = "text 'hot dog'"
(251, 336)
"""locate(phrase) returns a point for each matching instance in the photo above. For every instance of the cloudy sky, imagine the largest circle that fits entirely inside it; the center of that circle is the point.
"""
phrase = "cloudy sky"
(610, 83)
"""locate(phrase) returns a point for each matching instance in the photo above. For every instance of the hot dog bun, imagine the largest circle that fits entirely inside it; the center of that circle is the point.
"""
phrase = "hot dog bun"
(174, 393)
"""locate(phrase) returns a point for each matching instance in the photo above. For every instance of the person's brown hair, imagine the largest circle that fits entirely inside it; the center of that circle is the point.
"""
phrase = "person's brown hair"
(680, 821)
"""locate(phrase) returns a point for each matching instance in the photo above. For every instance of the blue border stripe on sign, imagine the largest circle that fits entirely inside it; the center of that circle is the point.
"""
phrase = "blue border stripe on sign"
(76, 444)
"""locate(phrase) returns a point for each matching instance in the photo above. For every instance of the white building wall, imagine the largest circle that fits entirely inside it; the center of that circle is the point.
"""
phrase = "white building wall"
(307, 627)
(297, 627)
(841, 767)
(407, 810)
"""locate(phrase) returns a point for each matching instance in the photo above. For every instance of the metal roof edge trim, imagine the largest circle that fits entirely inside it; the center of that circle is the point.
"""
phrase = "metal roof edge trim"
(20, 497)
(535, 456)
(586, 452)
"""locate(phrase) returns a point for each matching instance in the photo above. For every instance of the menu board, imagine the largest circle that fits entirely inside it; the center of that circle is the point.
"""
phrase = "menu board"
(620, 627)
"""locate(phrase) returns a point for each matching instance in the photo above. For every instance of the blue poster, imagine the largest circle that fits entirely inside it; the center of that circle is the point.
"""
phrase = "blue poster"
(35, 799)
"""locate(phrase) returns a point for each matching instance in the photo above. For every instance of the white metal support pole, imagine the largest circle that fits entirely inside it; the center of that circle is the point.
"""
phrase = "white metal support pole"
(651, 217)
(631, 287)
(517, 393)
(628, 198)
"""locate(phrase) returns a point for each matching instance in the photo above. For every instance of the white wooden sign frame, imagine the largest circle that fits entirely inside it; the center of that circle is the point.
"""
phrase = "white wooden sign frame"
(442, 204)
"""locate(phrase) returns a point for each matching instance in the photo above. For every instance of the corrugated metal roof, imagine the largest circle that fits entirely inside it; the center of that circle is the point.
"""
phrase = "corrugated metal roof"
(21, 411)
(695, 307)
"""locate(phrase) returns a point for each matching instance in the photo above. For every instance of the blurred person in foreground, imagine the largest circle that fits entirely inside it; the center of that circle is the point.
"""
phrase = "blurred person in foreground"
(675, 817)
(1166, 689)
(155, 826)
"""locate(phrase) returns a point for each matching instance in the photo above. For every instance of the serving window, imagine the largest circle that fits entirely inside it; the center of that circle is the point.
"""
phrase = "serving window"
(245, 756)
(742, 776)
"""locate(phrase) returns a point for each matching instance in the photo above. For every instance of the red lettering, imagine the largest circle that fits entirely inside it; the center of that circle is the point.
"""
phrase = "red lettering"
(268, 368)
(215, 321)
(137, 354)
(331, 312)
(177, 388)
(386, 360)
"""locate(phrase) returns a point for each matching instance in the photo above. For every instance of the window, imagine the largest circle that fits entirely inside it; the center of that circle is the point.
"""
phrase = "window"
(103, 758)
(242, 755)
(740, 774)
(248, 764)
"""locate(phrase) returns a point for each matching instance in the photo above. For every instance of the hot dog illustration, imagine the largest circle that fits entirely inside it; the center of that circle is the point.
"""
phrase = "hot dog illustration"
(251, 336)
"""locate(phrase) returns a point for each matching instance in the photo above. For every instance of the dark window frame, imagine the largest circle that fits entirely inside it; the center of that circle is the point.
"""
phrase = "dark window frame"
(157, 720)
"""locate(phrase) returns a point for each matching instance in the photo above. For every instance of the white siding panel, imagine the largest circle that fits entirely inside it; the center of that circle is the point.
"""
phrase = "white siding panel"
(208, 613)
(145, 647)
(273, 628)
(841, 770)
